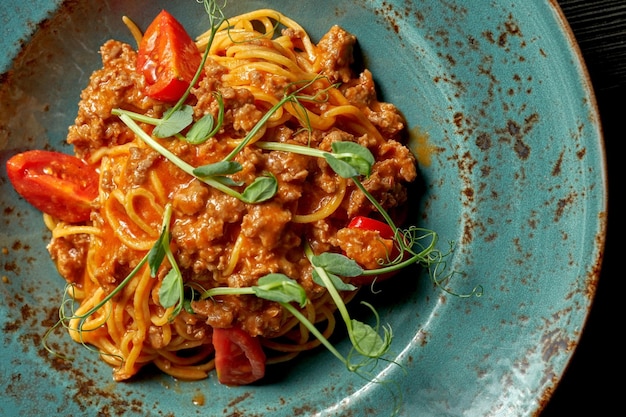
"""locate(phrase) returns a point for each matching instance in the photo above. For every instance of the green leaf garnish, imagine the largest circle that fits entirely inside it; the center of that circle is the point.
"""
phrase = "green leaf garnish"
(342, 168)
(206, 127)
(201, 130)
(217, 169)
(272, 287)
(334, 279)
(169, 291)
(157, 253)
(368, 339)
(358, 157)
(173, 122)
(262, 189)
(336, 263)
(280, 288)
(365, 350)
(172, 289)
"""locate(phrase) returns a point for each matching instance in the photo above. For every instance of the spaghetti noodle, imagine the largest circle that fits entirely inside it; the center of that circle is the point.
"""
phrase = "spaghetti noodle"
(218, 240)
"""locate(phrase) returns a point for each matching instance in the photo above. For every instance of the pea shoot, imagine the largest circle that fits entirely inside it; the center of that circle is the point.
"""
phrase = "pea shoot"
(262, 189)
(284, 290)
(172, 290)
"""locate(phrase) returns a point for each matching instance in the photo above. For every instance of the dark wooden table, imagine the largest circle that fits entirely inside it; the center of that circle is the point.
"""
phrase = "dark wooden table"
(594, 376)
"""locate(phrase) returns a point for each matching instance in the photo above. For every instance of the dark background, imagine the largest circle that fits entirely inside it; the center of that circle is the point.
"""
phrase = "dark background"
(593, 381)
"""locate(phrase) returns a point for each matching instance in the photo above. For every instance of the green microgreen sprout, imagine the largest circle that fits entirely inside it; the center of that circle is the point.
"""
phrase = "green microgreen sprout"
(273, 287)
(261, 189)
(175, 122)
(327, 269)
(172, 290)
(347, 159)
(285, 291)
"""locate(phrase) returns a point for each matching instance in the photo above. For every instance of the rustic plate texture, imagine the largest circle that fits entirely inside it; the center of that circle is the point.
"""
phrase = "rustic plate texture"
(515, 176)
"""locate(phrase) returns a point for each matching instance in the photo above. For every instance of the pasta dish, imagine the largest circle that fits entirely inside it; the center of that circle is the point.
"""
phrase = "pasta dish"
(289, 176)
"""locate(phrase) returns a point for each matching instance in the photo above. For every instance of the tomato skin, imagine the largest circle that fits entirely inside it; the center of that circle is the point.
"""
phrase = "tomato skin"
(366, 223)
(239, 357)
(56, 183)
(168, 58)
(386, 232)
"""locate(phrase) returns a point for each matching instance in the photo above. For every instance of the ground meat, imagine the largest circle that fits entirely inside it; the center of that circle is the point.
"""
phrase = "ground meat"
(190, 198)
(69, 254)
(291, 170)
(360, 91)
(155, 337)
(397, 161)
(114, 265)
(202, 238)
(337, 54)
(139, 163)
(266, 222)
(366, 247)
(239, 110)
(385, 116)
(117, 84)
(256, 316)
(192, 326)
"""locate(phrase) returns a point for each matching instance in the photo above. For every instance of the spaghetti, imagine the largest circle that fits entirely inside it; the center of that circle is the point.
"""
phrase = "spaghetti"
(218, 240)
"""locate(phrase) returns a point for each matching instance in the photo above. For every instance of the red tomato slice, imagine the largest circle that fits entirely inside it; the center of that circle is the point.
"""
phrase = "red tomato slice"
(239, 357)
(385, 232)
(168, 58)
(55, 183)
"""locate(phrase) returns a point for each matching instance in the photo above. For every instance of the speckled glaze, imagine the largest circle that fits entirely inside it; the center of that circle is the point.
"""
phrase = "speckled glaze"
(515, 177)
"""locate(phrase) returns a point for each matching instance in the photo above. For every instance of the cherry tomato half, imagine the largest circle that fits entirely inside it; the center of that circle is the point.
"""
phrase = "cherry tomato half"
(168, 58)
(366, 223)
(239, 357)
(56, 183)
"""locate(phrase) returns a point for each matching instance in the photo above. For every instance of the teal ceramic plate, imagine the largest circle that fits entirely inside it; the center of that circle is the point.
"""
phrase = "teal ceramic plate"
(516, 179)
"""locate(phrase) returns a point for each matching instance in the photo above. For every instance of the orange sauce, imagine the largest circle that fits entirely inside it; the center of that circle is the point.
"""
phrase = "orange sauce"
(421, 146)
